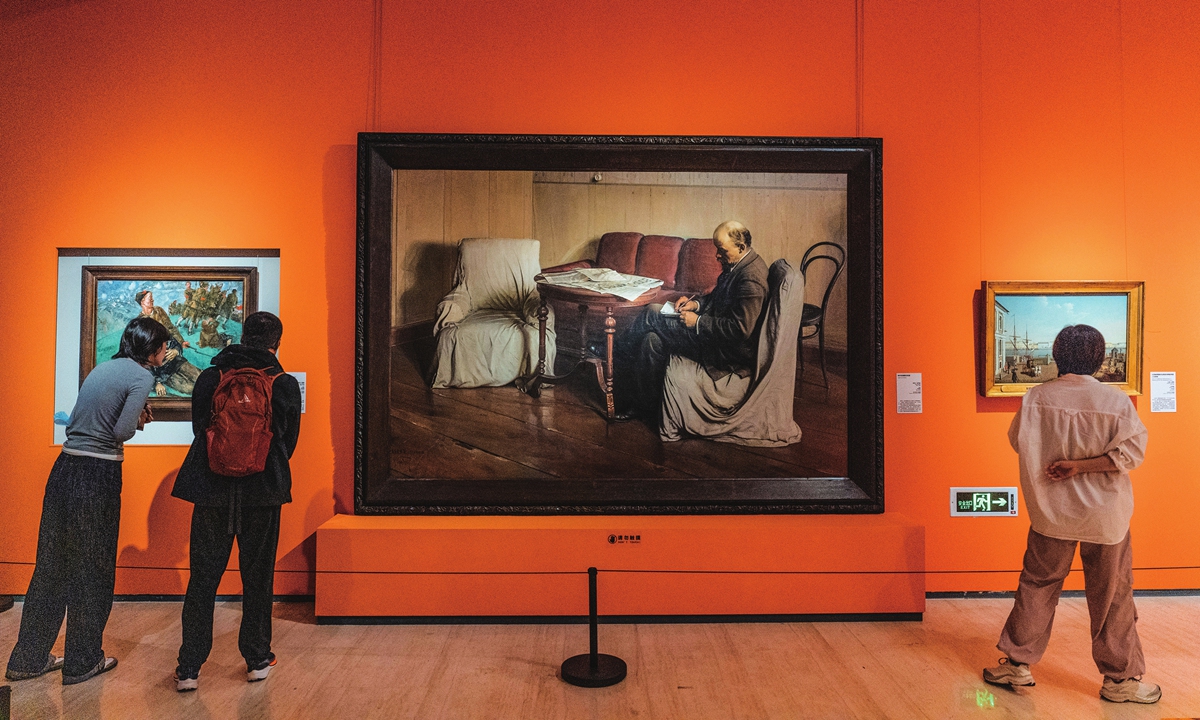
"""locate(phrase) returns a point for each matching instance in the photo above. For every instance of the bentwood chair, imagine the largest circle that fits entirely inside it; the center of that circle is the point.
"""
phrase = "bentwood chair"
(821, 262)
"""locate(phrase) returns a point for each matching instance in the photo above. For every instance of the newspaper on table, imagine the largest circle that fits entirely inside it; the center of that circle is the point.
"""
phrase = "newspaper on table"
(603, 280)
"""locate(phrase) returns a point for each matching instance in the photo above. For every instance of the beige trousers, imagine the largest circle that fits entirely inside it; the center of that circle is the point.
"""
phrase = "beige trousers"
(1108, 582)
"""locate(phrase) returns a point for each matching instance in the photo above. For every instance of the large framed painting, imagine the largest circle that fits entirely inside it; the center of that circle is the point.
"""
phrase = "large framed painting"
(487, 366)
(201, 307)
(1021, 320)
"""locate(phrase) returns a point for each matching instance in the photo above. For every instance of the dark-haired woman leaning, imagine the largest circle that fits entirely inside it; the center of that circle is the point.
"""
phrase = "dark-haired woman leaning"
(81, 514)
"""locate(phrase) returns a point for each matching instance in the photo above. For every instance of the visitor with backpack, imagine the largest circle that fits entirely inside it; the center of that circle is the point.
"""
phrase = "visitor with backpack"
(246, 420)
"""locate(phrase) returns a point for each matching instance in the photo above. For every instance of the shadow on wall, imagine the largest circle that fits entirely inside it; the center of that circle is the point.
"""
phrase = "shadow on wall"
(339, 178)
(304, 554)
(427, 265)
(165, 554)
(15, 9)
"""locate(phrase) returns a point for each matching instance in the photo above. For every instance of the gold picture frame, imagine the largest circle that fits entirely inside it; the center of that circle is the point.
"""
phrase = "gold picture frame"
(1020, 320)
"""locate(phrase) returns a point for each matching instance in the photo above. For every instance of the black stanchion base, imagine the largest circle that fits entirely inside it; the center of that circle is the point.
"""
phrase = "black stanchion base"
(577, 670)
(6, 602)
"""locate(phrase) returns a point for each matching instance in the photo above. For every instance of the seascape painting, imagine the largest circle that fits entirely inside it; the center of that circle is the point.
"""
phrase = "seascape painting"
(1027, 325)
(1023, 319)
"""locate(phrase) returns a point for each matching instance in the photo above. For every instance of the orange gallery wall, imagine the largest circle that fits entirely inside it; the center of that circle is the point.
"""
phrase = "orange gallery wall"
(1023, 141)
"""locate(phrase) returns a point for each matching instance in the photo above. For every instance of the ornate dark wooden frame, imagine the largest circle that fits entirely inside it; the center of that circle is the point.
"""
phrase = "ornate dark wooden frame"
(861, 159)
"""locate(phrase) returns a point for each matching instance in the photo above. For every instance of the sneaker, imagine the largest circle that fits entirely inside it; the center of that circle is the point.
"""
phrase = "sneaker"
(256, 674)
(1130, 690)
(102, 667)
(186, 681)
(1008, 673)
(52, 663)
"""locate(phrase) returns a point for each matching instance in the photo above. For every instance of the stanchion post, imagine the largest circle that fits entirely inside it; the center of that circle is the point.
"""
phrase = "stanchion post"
(594, 669)
(5, 702)
(593, 623)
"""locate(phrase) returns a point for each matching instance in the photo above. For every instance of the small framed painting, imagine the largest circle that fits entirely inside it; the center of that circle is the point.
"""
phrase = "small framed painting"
(201, 307)
(1021, 320)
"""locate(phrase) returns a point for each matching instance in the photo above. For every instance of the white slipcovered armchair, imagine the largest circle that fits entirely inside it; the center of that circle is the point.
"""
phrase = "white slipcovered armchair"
(487, 327)
(754, 410)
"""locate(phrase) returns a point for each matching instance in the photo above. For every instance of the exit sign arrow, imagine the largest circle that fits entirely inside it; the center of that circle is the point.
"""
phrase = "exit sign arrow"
(983, 502)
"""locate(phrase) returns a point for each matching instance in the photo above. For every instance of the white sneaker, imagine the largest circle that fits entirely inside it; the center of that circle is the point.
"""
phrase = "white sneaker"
(186, 684)
(1130, 690)
(1009, 673)
(256, 675)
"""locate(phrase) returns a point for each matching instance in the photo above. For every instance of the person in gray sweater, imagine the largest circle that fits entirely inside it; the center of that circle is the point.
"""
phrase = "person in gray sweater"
(77, 540)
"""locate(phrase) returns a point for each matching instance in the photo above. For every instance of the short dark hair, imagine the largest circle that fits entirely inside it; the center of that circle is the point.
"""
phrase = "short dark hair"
(142, 338)
(1078, 350)
(140, 294)
(262, 330)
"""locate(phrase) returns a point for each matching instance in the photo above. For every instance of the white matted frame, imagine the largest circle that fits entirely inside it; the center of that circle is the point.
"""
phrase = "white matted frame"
(71, 262)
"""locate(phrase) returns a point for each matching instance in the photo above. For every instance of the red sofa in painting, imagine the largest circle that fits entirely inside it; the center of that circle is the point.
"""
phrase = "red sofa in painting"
(685, 266)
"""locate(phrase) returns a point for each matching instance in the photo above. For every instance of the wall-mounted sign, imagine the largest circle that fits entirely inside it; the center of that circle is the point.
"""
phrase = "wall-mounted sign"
(983, 502)
(1162, 392)
(908, 392)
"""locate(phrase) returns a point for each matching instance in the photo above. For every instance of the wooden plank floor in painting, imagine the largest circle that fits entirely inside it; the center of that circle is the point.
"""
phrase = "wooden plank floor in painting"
(502, 433)
(908, 670)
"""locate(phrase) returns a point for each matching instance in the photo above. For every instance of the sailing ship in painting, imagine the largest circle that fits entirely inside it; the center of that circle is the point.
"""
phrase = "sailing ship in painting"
(1025, 327)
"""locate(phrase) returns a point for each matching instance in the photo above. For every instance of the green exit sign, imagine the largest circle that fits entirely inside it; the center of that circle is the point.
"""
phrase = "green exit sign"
(983, 502)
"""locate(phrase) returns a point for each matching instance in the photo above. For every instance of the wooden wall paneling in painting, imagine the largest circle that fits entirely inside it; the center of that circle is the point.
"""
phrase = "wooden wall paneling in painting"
(419, 255)
(510, 205)
(561, 222)
(434, 210)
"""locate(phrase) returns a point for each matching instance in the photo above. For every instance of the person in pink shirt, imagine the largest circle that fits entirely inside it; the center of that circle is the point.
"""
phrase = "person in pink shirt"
(1077, 439)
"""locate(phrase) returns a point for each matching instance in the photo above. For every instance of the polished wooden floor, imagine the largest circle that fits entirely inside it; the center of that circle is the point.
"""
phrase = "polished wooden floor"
(503, 433)
(928, 669)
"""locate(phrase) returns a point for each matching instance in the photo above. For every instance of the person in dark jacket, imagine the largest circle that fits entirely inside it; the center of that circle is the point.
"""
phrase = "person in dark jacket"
(246, 508)
(716, 330)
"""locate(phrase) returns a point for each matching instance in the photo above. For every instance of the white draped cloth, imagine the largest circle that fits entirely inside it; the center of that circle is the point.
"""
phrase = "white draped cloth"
(487, 326)
(754, 410)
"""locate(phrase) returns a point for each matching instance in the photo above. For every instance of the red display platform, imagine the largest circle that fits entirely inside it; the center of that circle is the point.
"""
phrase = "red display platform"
(421, 566)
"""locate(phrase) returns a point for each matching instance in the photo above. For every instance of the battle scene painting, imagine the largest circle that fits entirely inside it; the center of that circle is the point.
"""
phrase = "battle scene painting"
(201, 308)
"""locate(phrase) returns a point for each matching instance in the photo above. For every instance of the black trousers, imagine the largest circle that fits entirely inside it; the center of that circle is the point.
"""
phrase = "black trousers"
(257, 533)
(76, 566)
(641, 353)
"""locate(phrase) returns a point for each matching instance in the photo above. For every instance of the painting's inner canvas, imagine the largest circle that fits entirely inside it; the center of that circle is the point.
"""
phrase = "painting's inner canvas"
(201, 316)
(500, 432)
(1026, 326)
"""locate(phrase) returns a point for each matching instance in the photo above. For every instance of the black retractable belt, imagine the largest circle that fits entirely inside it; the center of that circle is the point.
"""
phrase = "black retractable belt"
(594, 669)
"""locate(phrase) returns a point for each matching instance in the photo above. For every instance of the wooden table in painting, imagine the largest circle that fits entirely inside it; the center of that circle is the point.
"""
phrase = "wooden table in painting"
(585, 300)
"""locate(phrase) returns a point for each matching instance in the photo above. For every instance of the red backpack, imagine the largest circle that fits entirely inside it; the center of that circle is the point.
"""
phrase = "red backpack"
(239, 432)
